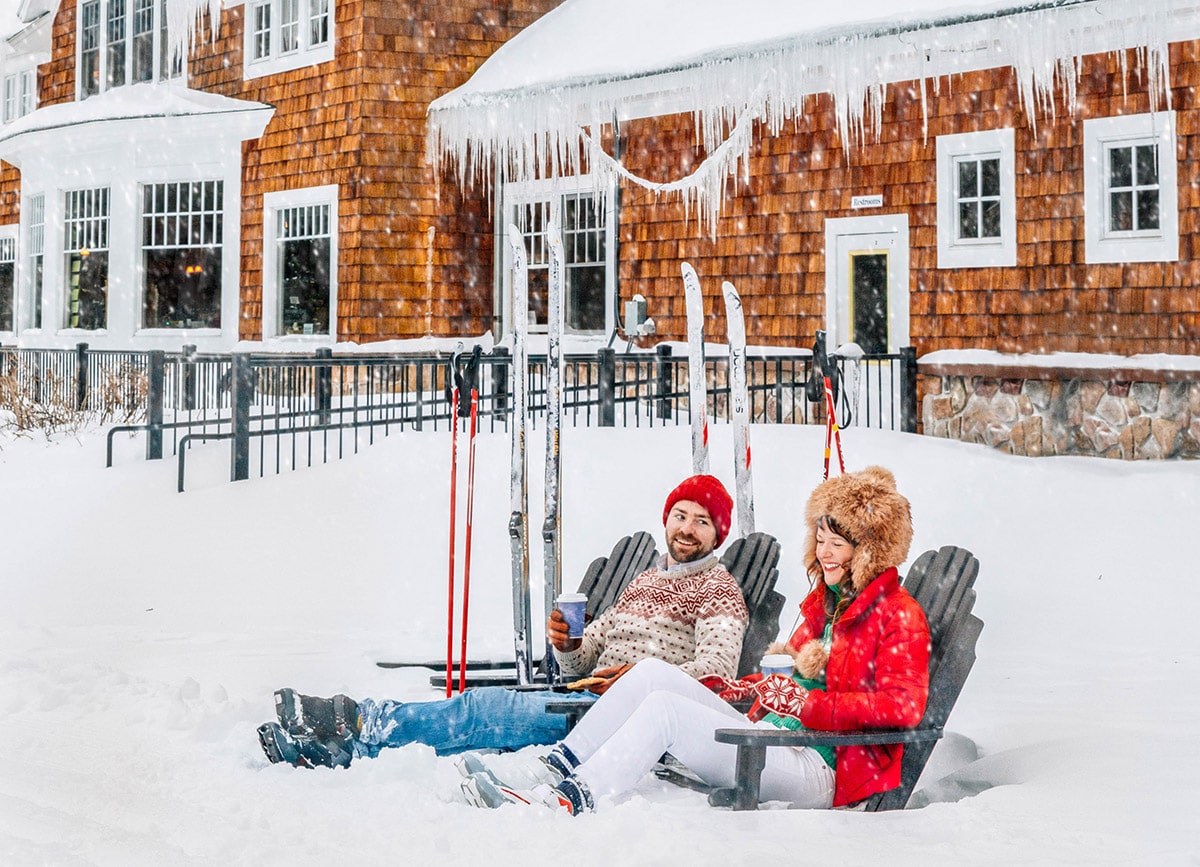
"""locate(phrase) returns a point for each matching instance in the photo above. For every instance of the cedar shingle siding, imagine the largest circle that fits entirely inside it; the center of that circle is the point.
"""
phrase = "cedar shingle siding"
(770, 238)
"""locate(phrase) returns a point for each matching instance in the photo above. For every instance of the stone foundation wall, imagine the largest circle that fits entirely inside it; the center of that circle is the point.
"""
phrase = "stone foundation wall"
(1111, 418)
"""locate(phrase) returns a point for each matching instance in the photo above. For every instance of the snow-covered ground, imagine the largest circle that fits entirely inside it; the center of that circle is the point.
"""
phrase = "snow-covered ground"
(143, 631)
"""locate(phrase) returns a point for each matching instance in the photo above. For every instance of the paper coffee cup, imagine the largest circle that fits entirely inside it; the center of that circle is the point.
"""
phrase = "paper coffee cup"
(777, 663)
(573, 607)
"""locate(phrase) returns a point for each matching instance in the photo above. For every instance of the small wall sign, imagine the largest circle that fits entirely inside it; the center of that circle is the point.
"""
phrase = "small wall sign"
(860, 202)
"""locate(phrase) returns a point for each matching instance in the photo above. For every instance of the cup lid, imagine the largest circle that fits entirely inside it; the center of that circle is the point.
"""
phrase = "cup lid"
(777, 660)
(572, 597)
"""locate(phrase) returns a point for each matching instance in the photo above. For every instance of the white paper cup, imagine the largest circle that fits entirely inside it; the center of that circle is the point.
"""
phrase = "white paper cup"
(777, 663)
(573, 607)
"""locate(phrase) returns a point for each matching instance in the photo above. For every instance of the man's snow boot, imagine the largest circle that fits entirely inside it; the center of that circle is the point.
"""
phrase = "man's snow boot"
(315, 717)
(302, 751)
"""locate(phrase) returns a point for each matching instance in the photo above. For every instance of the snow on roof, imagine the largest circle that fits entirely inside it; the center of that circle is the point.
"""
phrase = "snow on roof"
(546, 93)
(135, 102)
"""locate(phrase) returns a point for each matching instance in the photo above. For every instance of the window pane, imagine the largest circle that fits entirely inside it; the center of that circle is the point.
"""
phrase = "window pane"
(262, 31)
(87, 290)
(143, 40)
(89, 49)
(1147, 165)
(1121, 211)
(539, 296)
(289, 26)
(183, 288)
(968, 186)
(318, 22)
(968, 220)
(117, 24)
(991, 220)
(989, 177)
(7, 273)
(869, 279)
(585, 299)
(304, 273)
(181, 255)
(1147, 202)
(1120, 170)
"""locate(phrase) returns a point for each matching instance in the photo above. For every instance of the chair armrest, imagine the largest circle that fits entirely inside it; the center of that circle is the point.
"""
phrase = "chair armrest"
(813, 738)
(573, 710)
(752, 754)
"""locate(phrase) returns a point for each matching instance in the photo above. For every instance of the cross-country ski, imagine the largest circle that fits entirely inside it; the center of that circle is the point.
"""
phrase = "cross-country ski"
(518, 522)
(552, 525)
(739, 400)
(697, 387)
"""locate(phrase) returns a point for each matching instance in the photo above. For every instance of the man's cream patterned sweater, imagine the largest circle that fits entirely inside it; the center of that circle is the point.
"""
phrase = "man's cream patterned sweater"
(691, 615)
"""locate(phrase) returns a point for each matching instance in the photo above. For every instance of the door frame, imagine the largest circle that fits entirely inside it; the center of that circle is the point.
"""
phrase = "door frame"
(837, 274)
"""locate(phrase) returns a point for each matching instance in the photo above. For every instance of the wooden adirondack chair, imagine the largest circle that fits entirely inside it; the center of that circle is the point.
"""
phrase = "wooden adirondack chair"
(941, 581)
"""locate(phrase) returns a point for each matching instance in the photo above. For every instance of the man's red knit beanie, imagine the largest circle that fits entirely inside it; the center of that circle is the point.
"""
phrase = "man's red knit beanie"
(709, 493)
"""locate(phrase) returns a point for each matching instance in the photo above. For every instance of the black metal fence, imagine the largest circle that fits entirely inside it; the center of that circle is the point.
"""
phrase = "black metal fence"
(286, 411)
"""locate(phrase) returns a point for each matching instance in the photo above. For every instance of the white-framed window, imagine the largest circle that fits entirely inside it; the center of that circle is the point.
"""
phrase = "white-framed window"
(35, 248)
(976, 200)
(20, 94)
(287, 34)
(1131, 204)
(123, 42)
(586, 224)
(182, 236)
(300, 262)
(85, 245)
(8, 278)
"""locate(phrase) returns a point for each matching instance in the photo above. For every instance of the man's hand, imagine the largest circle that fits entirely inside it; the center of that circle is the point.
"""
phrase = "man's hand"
(557, 631)
(610, 676)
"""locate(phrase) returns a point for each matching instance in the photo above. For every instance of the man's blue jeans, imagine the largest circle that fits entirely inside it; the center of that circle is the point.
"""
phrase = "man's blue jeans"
(491, 717)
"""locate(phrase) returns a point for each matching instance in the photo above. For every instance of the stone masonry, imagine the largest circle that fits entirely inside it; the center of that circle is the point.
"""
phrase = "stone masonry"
(1102, 418)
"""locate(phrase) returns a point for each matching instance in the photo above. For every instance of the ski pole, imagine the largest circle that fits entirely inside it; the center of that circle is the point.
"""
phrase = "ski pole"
(453, 510)
(831, 430)
(466, 602)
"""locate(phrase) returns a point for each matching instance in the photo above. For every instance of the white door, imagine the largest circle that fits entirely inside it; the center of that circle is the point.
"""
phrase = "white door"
(866, 303)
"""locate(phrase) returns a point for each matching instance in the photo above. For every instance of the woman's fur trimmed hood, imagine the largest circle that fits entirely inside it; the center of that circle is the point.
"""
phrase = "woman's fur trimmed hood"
(867, 506)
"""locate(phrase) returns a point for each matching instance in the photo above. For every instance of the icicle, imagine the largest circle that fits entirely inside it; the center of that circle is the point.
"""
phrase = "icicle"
(185, 19)
(528, 133)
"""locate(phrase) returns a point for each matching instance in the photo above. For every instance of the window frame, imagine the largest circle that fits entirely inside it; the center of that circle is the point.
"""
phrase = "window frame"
(162, 67)
(32, 275)
(95, 230)
(19, 95)
(1102, 244)
(263, 38)
(516, 194)
(10, 254)
(272, 309)
(952, 150)
(204, 221)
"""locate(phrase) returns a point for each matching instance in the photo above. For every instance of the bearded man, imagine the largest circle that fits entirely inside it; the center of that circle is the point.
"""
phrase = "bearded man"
(686, 610)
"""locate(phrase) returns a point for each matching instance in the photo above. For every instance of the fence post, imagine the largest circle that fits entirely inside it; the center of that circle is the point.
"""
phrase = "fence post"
(500, 368)
(608, 387)
(242, 384)
(81, 376)
(324, 386)
(663, 381)
(189, 376)
(908, 389)
(154, 405)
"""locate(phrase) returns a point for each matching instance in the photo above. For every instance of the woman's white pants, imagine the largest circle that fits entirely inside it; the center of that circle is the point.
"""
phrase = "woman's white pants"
(656, 708)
